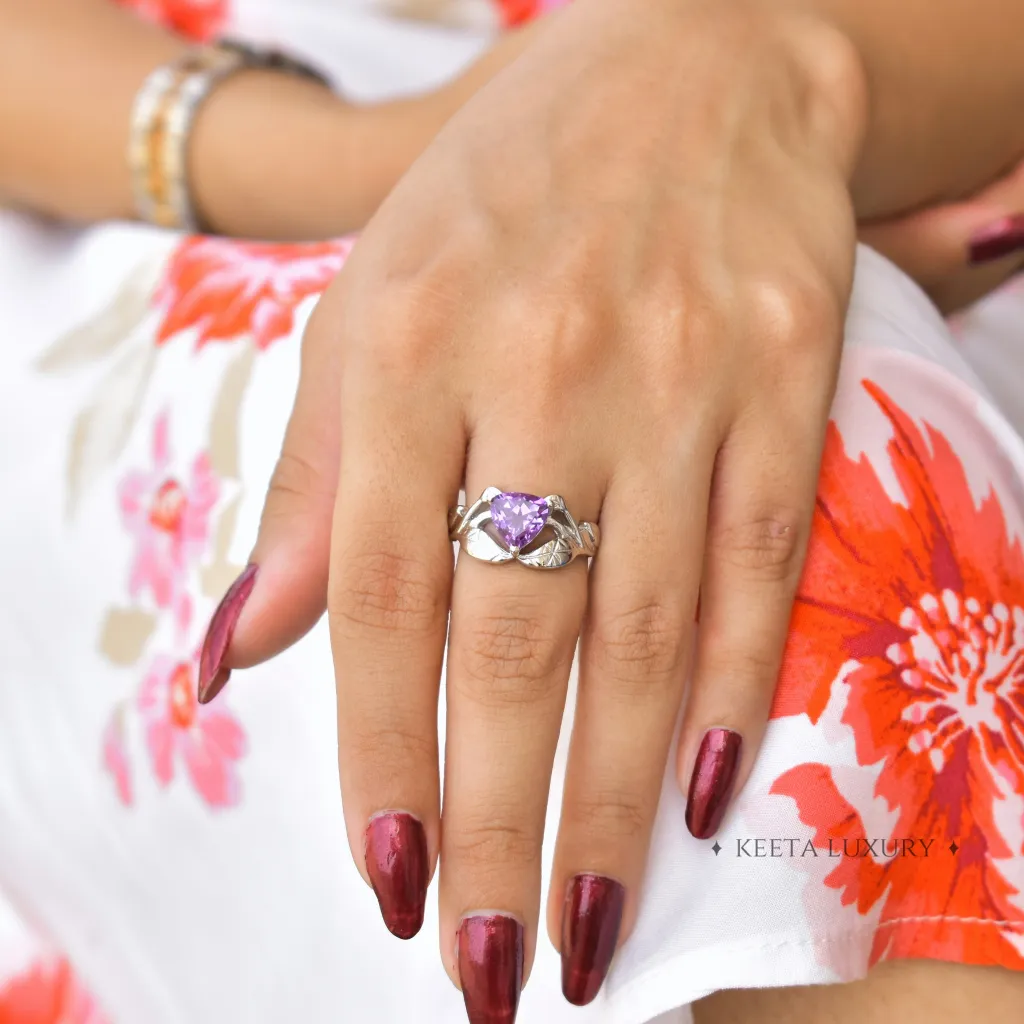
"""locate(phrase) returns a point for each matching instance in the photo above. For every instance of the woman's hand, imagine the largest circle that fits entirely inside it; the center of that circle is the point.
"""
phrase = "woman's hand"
(619, 274)
(959, 252)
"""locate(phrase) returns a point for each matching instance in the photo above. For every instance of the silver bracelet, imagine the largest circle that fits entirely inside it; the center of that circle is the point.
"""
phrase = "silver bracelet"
(162, 117)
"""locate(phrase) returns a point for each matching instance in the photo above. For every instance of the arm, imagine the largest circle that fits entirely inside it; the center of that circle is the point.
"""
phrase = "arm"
(268, 150)
(946, 95)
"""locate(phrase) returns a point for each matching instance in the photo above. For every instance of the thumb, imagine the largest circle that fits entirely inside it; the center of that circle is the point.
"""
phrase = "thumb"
(282, 592)
(934, 244)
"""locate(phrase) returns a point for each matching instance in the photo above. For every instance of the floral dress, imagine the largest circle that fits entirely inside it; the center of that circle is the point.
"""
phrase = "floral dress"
(164, 862)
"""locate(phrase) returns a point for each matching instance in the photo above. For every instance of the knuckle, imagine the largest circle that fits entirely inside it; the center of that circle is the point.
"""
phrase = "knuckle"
(296, 480)
(645, 640)
(389, 743)
(793, 314)
(511, 658)
(484, 846)
(751, 665)
(610, 815)
(387, 591)
(397, 331)
(768, 545)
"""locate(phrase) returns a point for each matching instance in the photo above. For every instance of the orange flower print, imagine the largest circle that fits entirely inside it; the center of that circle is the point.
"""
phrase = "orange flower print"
(206, 740)
(517, 12)
(913, 614)
(226, 289)
(198, 19)
(47, 993)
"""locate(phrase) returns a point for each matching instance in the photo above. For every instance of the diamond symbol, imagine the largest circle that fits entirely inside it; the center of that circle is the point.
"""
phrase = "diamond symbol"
(716, 848)
(953, 847)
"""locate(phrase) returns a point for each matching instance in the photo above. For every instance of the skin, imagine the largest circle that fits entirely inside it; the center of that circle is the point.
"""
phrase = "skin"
(816, 122)
(691, 381)
(251, 171)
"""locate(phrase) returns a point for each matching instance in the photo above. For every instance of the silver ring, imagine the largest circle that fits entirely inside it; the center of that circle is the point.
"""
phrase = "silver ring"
(501, 526)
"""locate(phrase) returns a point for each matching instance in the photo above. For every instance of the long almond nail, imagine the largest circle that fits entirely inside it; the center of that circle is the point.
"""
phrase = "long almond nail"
(491, 967)
(1001, 238)
(591, 920)
(714, 774)
(395, 846)
(213, 677)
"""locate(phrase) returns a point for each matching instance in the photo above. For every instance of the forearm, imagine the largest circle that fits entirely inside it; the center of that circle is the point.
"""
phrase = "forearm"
(945, 85)
(271, 155)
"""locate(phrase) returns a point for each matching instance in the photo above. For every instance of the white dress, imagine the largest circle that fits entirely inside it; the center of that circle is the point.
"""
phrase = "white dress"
(162, 863)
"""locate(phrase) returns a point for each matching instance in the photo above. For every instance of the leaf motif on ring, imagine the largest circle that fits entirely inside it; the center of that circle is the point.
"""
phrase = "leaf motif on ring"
(480, 544)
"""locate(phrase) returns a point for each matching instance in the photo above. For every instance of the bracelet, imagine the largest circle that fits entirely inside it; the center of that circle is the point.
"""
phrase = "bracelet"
(162, 117)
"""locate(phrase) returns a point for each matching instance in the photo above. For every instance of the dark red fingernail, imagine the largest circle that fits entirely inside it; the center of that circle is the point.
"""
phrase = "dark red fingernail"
(395, 846)
(212, 676)
(1002, 238)
(491, 967)
(714, 773)
(590, 932)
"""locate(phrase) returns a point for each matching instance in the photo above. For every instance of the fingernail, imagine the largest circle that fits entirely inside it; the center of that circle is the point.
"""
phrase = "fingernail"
(997, 240)
(590, 932)
(714, 773)
(212, 677)
(491, 967)
(395, 846)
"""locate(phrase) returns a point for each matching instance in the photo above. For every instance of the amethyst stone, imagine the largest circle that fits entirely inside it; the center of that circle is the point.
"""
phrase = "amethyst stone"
(518, 517)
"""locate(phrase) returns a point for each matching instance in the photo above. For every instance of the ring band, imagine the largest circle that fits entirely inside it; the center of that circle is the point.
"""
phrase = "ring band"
(501, 525)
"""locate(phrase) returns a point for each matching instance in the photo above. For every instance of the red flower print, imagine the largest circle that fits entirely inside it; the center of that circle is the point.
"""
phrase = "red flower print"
(517, 12)
(227, 289)
(169, 516)
(206, 739)
(912, 615)
(198, 19)
(47, 993)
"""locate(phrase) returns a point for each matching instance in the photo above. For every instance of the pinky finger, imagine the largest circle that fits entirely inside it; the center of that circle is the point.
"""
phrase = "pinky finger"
(761, 510)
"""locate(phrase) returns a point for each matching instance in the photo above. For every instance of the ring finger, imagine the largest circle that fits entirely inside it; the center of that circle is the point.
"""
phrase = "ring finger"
(512, 637)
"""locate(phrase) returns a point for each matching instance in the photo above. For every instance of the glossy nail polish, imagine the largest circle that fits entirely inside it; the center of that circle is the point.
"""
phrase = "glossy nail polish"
(714, 773)
(491, 967)
(591, 920)
(395, 847)
(212, 676)
(1002, 238)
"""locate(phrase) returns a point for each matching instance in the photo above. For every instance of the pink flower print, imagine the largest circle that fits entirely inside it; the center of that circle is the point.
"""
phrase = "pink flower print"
(206, 739)
(170, 520)
(115, 756)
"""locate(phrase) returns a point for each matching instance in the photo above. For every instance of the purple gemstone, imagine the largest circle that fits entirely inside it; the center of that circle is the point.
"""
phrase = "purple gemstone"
(519, 517)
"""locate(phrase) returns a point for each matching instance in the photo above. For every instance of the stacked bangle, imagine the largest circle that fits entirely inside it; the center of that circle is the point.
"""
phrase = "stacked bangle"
(161, 123)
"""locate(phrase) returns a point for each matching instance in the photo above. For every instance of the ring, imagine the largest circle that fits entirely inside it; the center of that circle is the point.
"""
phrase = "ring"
(500, 525)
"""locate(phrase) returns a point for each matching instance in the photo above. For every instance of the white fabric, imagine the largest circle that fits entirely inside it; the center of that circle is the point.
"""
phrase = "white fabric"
(176, 915)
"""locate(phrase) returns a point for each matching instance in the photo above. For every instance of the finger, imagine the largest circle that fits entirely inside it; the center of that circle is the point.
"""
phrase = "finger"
(639, 625)
(513, 635)
(761, 509)
(388, 594)
(937, 242)
(283, 590)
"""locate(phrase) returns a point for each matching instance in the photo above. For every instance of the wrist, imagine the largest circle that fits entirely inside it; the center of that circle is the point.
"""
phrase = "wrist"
(261, 158)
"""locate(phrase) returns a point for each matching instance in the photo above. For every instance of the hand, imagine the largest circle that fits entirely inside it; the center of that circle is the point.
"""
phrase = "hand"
(959, 252)
(619, 274)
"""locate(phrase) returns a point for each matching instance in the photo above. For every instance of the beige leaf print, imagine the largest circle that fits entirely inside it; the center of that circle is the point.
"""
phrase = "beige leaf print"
(227, 413)
(102, 429)
(124, 634)
(114, 324)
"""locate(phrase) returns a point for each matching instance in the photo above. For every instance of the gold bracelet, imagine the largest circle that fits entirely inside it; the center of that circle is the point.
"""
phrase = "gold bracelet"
(161, 125)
